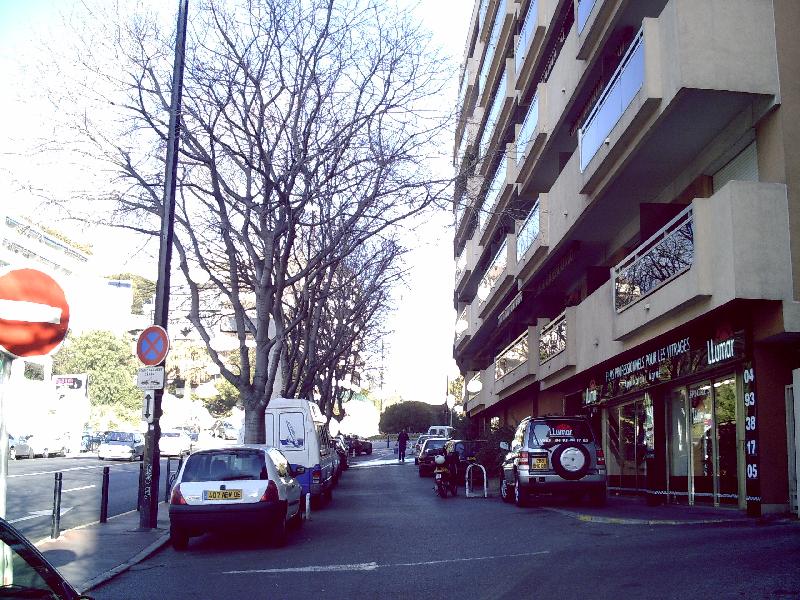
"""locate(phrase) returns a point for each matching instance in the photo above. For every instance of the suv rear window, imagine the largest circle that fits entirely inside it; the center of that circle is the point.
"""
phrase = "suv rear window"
(225, 465)
(543, 432)
(433, 445)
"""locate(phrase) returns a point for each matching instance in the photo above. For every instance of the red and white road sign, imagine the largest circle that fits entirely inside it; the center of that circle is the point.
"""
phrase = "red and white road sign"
(153, 345)
(34, 313)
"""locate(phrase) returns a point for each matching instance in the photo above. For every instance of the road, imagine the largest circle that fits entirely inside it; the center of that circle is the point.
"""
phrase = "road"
(386, 535)
(30, 491)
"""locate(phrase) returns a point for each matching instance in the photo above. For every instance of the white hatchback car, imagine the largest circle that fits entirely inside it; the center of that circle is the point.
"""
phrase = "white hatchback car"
(242, 487)
(174, 442)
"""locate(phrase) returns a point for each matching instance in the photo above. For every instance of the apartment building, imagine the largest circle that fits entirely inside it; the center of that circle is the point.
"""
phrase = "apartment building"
(627, 237)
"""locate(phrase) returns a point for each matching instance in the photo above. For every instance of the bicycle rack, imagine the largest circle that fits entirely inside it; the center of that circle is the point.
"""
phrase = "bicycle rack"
(467, 481)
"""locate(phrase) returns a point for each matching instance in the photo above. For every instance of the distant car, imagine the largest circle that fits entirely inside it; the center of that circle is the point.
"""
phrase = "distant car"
(430, 448)
(444, 431)
(122, 445)
(358, 445)
(27, 574)
(417, 447)
(174, 442)
(236, 488)
(39, 444)
(192, 432)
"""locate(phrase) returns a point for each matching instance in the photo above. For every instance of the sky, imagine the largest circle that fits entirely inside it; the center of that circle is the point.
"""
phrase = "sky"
(418, 355)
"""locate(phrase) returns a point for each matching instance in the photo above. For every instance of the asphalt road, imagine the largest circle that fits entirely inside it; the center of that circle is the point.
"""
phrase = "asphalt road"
(387, 535)
(30, 487)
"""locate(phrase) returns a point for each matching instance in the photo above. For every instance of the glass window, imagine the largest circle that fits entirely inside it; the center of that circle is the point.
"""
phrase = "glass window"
(516, 444)
(225, 466)
(281, 464)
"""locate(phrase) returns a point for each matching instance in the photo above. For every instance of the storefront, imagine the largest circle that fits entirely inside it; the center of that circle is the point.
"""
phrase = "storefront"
(678, 417)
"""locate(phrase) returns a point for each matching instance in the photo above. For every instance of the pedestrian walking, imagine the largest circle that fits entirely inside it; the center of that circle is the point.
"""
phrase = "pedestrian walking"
(402, 441)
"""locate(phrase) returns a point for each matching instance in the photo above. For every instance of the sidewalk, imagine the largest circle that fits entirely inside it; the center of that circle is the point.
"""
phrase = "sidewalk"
(89, 555)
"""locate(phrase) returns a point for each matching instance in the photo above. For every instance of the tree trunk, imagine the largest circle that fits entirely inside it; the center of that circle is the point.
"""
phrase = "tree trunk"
(254, 426)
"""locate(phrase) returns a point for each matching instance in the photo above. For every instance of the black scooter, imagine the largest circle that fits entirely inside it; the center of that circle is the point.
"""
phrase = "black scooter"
(444, 476)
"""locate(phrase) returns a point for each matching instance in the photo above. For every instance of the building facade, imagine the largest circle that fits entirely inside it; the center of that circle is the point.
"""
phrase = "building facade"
(627, 236)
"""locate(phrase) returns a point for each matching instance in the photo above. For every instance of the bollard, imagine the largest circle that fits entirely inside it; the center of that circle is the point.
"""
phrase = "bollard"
(387, 441)
(166, 481)
(308, 507)
(139, 492)
(104, 497)
(55, 528)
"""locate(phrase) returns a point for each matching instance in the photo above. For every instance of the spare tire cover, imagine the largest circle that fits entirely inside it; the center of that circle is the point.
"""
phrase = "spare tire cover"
(571, 461)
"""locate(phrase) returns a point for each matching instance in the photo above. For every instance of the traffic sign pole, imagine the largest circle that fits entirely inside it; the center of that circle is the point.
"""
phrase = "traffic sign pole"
(148, 503)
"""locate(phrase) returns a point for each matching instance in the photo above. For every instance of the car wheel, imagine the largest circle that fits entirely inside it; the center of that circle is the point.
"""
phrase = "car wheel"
(369, 451)
(279, 531)
(178, 538)
(505, 491)
(571, 461)
(520, 498)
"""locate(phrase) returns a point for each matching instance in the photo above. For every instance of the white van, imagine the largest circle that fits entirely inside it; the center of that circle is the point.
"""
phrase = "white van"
(297, 428)
(444, 431)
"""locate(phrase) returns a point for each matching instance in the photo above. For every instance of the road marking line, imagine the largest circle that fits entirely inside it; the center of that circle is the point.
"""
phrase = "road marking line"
(83, 487)
(372, 566)
(119, 468)
(41, 513)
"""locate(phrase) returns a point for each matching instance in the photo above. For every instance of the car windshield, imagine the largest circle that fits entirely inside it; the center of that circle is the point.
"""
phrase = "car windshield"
(434, 444)
(24, 573)
(227, 465)
(118, 436)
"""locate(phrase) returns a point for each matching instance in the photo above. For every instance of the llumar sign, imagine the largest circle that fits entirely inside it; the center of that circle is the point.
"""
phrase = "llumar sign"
(678, 358)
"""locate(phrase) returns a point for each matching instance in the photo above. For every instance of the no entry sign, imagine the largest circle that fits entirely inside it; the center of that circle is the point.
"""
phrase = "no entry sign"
(34, 314)
(153, 346)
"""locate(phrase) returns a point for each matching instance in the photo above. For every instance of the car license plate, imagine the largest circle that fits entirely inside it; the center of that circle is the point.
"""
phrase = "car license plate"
(438, 476)
(222, 495)
(540, 462)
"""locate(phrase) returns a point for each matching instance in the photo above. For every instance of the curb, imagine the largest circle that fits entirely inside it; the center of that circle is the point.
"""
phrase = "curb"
(622, 521)
(111, 573)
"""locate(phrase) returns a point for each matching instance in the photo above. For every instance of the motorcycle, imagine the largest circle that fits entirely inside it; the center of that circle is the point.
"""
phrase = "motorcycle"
(445, 480)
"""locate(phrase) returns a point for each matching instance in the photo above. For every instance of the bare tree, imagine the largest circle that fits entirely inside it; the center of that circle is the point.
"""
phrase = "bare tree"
(298, 116)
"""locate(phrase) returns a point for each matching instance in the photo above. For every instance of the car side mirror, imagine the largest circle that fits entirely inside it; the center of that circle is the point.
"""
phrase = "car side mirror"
(298, 470)
(504, 446)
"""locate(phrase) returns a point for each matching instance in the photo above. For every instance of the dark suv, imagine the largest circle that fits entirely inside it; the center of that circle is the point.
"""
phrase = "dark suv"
(554, 455)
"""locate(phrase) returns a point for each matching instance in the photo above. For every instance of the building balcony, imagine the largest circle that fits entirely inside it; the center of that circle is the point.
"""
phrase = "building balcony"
(466, 211)
(482, 382)
(667, 83)
(467, 277)
(515, 366)
(466, 325)
(499, 277)
(529, 44)
(557, 345)
(732, 246)
(532, 239)
(500, 194)
(498, 116)
(493, 64)
(531, 136)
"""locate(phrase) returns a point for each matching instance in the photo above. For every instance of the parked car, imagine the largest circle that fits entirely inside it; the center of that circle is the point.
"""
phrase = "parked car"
(415, 449)
(555, 454)
(174, 442)
(236, 488)
(430, 448)
(444, 431)
(192, 432)
(466, 451)
(121, 444)
(359, 445)
(27, 574)
(40, 444)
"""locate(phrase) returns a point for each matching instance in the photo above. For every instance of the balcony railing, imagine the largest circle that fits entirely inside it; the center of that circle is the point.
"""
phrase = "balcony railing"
(462, 323)
(528, 232)
(525, 35)
(528, 127)
(491, 46)
(553, 339)
(474, 387)
(482, 13)
(660, 259)
(494, 114)
(621, 89)
(584, 10)
(512, 357)
(461, 264)
(492, 194)
(493, 273)
(460, 208)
